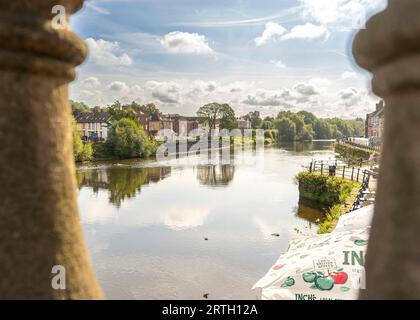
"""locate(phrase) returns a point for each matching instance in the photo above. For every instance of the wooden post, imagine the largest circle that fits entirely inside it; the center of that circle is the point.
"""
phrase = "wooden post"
(310, 167)
(322, 167)
(389, 48)
(39, 220)
(358, 171)
(344, 171)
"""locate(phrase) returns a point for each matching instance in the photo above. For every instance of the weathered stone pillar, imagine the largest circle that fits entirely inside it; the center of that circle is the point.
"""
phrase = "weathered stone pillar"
(390, 49)
(39, 220)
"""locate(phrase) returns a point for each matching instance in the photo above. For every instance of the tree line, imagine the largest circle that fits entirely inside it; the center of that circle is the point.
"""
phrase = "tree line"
(128, 139)
(305, 126)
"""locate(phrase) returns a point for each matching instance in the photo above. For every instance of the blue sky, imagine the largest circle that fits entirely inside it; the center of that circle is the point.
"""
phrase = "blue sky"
(255, 55)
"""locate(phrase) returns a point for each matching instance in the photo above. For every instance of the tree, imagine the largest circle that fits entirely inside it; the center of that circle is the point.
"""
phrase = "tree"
(82, 151)
(323, 130)
(255, 119)
(118, 112)
(127, 139)
(308, 117)
(267, 124)
(213, 112)
(286, 129)
(151, 109)
(79, 106)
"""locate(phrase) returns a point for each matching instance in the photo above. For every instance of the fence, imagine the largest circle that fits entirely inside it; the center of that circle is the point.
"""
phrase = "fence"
(359, 174)
(361, 146)
(340, 169)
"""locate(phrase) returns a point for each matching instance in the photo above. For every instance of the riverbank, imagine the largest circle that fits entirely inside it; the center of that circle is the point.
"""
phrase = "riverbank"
(354, 154)
(334, 194)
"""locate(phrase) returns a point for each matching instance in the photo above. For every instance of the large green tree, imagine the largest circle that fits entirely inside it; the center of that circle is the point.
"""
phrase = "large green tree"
(215, 112)
(286, 129)
(127, 139)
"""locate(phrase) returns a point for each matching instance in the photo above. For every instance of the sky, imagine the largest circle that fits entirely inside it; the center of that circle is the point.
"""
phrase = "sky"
(265, 55)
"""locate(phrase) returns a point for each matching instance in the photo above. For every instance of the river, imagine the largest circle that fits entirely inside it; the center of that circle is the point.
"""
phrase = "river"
(182, 230)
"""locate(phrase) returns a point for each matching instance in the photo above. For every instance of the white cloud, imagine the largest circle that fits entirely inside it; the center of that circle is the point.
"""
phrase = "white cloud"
(306, 89)
(91, 82)
(272, 31)
(350, 97)
(318, 95)
(185, 42)
(278, 64)
(307, 31)
(107, 53)
(344, 12)
(165, 92)
(185, 218)
(348, 75)
(266, 98)
(118, 86)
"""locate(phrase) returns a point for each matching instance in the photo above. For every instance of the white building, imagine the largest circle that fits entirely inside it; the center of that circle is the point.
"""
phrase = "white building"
(93, 125)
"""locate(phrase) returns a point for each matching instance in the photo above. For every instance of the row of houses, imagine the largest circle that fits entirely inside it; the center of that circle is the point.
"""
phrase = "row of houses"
(374, 127)
(94, 126)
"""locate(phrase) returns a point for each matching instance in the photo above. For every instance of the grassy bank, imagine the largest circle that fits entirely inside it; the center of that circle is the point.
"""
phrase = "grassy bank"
(352, 153)
(333, 193)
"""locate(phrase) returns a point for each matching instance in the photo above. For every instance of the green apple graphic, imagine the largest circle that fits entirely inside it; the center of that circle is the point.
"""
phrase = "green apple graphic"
(360, 242)
(290, 282)
(309, 277)
(324, 283)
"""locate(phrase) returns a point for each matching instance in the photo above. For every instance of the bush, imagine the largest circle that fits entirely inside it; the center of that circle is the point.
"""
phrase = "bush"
(127, 139)
(81, 151)
(325, 190)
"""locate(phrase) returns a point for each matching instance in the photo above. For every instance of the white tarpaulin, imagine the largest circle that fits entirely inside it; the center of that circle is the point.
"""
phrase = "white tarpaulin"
(327, 266)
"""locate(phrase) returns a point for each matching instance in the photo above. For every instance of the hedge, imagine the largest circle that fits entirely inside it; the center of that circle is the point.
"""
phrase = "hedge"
(325, 190)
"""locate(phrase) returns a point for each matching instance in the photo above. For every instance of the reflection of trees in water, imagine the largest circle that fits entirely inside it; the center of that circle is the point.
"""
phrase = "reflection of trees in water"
(215, 175)
(121, 182)
(310, 212)
(306, 146)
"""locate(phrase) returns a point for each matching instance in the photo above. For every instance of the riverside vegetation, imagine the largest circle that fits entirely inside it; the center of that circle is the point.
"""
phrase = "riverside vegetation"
(128, 139)
(335, 193)
(353, 154)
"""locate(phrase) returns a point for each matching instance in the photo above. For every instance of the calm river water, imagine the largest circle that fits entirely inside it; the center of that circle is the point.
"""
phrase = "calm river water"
(146, 224)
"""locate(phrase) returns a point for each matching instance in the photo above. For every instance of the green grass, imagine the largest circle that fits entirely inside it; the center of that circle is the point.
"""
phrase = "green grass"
(336, 211)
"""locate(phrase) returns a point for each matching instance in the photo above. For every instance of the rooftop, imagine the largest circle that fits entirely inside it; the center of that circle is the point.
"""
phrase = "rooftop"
(91, 117)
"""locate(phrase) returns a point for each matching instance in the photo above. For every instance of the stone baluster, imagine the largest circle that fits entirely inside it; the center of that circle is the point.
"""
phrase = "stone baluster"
(39, 219)
(390, 48)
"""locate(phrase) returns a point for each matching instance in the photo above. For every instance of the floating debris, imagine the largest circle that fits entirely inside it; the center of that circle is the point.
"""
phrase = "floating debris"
(275, 235)
(206, 239)
(206, 295)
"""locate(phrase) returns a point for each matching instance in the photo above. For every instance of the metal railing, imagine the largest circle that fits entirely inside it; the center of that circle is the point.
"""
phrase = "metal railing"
(339, 169)
(361, 146)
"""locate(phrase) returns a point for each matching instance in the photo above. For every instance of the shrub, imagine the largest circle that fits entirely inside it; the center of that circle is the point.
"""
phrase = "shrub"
(127, 139)
(324, 189)
(81, 151)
